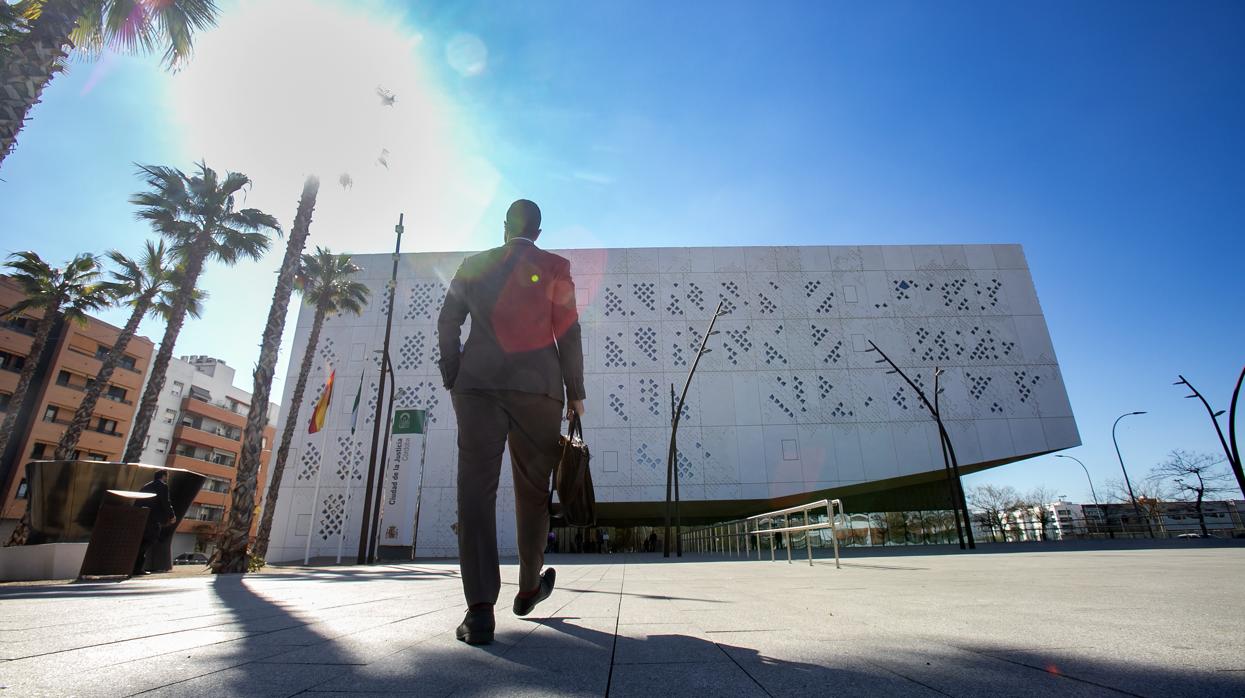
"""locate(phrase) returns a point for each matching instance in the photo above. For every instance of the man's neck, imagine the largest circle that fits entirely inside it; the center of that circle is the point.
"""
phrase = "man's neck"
(517, 238)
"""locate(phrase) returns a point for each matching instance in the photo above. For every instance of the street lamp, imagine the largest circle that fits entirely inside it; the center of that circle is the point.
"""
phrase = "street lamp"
(1091, 487)
(1127, 482)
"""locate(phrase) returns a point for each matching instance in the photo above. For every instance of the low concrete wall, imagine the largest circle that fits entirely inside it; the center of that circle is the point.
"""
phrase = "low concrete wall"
(24, 563)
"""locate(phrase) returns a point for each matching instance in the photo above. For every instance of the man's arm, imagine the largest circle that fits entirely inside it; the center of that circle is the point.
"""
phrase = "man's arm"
(164, 504)
(566, 331)
(449, 329)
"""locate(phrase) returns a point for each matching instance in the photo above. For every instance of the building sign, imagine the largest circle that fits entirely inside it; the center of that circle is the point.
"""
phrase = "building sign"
(401, 479)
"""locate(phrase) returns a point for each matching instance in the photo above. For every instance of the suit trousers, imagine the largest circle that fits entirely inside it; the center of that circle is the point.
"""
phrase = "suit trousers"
(487, 421)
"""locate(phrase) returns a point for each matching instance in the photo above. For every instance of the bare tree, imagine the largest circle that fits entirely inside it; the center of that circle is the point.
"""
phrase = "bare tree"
(990, 505)
(1036, 503)
(1150, 496)
(881, 524)
(1194, 474)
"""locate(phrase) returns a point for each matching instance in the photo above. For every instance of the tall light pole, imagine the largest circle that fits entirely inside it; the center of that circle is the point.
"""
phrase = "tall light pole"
(1091, 487)
(1128, 483)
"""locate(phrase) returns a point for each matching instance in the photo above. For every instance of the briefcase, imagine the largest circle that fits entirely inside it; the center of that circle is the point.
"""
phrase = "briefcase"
(572, 478)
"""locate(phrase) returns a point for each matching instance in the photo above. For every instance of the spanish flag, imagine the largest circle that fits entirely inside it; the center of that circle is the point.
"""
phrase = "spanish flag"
(322, 406)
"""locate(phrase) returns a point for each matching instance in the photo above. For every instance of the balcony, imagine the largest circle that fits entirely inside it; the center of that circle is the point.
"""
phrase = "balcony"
(215, 411)
(209, 439)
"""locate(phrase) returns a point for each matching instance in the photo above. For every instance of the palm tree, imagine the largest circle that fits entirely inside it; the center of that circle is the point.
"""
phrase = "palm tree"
(36, 37)
(69, 293)
(325, 284)
(197, 215)
(141, 281)
(232, 554)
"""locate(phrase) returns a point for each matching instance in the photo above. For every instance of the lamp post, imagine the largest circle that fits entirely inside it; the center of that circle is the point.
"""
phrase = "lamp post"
(1091, 487)
(1128, 483)
(1230, 448)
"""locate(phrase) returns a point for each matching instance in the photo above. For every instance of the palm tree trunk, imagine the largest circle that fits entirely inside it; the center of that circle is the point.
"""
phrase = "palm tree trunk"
(29, 64)
(232, 554)
(42, 330)
(287, 434)
(160, 366)
(82, 416)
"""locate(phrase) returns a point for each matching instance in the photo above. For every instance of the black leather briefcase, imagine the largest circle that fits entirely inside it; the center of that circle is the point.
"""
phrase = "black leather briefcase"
(572, 478)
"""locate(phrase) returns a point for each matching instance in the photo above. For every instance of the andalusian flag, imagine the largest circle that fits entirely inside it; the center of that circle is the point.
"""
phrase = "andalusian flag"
(354, 411)
(322, 406)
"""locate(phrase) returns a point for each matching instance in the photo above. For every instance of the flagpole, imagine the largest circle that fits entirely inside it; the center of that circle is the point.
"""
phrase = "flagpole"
(315, 494)
(419, 491)
(354, 418)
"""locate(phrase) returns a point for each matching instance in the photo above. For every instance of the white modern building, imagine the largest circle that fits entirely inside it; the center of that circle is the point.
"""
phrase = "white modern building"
(198, 426)
(789, 406)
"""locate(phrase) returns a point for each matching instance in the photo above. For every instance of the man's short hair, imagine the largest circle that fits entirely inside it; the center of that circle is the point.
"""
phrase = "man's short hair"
(523, 218)
(161, 473)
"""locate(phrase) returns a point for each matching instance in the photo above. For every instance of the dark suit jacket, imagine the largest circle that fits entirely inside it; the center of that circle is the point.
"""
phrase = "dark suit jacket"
(161, 507)
(524, 325)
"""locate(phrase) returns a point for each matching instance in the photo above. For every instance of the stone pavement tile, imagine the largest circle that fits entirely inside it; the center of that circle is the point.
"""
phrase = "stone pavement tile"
(370, 644)
(138, 675)
(787, 668)
(690, 679)
(572, 633)
(664, 643)
(974, 675)
(585, 605)
(266, 680)
(1119, 668)
(115, 653)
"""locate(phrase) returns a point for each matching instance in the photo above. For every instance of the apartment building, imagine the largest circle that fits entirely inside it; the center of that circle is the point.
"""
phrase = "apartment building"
(198, 426)
(68, 365)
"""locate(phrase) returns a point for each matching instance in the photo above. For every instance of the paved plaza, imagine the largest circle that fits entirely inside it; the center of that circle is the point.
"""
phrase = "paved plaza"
(1049, 621)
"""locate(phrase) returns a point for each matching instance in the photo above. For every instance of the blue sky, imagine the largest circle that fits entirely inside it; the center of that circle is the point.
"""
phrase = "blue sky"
(1104, 137)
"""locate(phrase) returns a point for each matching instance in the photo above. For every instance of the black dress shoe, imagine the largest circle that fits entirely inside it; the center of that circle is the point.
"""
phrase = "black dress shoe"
(477, 627)
(523, 606)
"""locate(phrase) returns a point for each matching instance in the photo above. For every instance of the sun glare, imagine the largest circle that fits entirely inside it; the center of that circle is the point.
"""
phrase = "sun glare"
(286, 88)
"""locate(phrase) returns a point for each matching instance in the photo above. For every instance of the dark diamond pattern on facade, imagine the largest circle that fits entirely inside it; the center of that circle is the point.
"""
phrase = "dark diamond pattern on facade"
(904, 289)
(424, 301)
(349, 457)
(826, 304)
(384, 301)
(613, 302)
(823, 387)
(328, 351)
(310, 462)
(840, 410)
(977, 384)
(772, 355)
(675, 306)
(614, 353)
(739, 343)
(767, 306)
(988, 347)
(650, 396)
(646, 342)
(695, 296)
(332, 515)
(686, 472)
(422, 395)
(810, 287)
(646, 459)
(676, 353)
(646, 293)
(784, 408)
(617, 404)
(797, 386)
(411, 352)
(835, 354)
(1024, 384)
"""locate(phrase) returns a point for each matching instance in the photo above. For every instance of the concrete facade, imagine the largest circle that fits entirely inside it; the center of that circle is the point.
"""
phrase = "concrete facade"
(789, 404)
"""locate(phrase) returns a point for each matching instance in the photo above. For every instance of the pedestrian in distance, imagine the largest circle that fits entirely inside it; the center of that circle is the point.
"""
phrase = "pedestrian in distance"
(160, 514)
(508, 384)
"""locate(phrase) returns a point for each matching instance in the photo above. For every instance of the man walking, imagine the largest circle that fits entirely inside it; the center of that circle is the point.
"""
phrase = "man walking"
(507, 384)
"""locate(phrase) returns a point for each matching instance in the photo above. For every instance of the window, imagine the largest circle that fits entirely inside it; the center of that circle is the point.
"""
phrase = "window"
(96, 456)
(11, 362)
(162, 445)
(22, 489)
(116, 393)
(39, 451)
(106, 426)
(222, 459)
(216, 484)
(101, 351)
(5, 399)
(128, 362)
(62, 378)
(170, 416)
(49, 415)
(177, 388)
(205, 512)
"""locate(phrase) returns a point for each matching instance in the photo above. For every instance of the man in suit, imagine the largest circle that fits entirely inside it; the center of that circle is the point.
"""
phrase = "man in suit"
(507, 383)
(160, 513)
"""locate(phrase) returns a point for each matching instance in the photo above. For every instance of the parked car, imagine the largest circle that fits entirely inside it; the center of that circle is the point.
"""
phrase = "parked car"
(1190, 535)
(190, 559)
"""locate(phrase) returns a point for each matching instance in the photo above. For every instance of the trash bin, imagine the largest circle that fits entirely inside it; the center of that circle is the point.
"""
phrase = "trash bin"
(118, 532)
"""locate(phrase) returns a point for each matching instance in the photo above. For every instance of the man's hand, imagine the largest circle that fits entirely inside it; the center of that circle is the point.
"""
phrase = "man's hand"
(574, 407)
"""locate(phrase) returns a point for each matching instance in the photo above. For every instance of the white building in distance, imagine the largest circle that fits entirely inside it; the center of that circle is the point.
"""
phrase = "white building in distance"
(788, 407)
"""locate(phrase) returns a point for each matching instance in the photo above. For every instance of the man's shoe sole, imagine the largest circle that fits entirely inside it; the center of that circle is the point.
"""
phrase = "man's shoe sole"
(553, 576)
